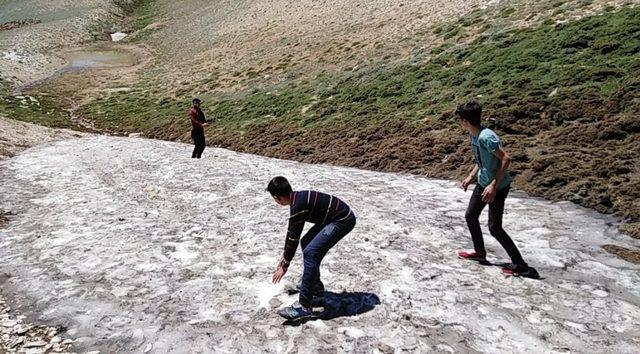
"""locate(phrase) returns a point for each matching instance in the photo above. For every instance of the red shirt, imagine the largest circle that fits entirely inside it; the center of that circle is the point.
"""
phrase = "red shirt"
(197, 119)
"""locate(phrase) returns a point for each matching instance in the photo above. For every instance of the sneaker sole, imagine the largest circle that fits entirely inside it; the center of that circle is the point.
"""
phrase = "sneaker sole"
(481, 260)
(300, 318)
(530, 275)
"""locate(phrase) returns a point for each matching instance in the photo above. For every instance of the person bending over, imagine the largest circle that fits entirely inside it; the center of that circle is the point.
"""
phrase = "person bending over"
(333, 220)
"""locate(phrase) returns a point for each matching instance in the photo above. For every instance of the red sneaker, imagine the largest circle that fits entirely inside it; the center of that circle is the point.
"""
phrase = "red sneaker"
(521, 270)
(473, 256)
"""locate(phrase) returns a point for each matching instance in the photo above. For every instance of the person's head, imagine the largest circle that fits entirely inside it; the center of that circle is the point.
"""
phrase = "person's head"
(470, 114)
(196, 102)
(280, 190)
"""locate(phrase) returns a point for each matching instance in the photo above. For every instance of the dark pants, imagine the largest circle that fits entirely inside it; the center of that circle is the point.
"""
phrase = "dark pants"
(496, 209)
(315, 245)
(198, 139)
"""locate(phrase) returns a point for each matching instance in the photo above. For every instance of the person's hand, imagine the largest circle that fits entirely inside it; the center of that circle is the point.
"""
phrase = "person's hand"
(205, 125)
(466, 182)
(280, 272)
(489, 194)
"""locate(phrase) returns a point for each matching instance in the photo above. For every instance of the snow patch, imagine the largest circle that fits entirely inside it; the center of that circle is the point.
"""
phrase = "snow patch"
(118, 36)
(130, 242)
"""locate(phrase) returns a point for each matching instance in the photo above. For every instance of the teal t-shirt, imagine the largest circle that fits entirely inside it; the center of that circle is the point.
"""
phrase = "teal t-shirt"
(484, 146)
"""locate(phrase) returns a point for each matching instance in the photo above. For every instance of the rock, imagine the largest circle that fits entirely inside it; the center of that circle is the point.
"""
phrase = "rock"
(135, 135)
(275, 302)
(16, 341)
(56, 339)
(8, 323)
(36, 344)
(35, 351)
(21, 329)
(385, 348)
(600, 293)
(148, 348)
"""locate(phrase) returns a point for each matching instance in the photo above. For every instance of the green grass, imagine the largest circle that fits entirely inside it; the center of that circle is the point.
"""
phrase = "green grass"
(141, 13)
(46, 110)
(594, 59)
(144, 13)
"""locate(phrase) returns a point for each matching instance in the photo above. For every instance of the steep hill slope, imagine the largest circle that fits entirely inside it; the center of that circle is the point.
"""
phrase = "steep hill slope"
(373, 84)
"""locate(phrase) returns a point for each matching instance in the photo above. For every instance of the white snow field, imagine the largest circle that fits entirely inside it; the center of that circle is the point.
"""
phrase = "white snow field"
(136, 247)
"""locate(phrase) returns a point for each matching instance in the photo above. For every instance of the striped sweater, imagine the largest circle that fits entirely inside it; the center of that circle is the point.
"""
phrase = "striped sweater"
(314, 207)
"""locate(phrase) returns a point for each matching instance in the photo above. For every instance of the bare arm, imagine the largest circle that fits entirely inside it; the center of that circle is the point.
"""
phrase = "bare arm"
(471, 178)
(489, 193)
(474, 173)
(505, 161)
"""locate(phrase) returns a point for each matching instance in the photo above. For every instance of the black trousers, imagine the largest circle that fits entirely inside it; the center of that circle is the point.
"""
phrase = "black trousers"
(200, 143)
(496, 210)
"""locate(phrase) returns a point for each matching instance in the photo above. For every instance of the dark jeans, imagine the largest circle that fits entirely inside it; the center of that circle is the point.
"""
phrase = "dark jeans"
(315, 245)
(198, 139)
(496, 209)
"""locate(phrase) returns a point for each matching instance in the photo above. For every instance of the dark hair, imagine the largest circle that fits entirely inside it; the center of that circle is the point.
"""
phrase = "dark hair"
(471, 112)
(195, 100)
(279, 187)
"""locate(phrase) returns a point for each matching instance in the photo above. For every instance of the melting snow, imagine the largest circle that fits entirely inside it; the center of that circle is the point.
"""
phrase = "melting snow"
(133, 245)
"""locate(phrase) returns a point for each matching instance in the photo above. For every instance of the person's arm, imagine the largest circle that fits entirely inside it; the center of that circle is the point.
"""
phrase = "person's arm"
(296, 224)
(193, 115)
(206, 121)
(505, 161)
(471, 178)
(489, 193)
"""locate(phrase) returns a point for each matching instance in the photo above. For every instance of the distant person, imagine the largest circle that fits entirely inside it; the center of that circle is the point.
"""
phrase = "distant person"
(493, 184)
(333, 219)
(198, 123)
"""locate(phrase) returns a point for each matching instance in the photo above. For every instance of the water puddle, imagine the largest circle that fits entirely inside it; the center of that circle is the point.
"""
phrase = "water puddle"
(98, 59)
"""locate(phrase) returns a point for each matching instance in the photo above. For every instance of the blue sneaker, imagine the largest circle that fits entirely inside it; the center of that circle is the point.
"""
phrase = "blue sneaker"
(295, 312)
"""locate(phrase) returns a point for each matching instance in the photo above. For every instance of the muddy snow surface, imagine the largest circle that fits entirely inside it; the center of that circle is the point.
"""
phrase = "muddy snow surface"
(135, 247)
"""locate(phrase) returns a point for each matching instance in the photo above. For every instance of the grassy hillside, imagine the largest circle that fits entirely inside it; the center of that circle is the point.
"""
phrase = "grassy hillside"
(562, 92)
(564, 97)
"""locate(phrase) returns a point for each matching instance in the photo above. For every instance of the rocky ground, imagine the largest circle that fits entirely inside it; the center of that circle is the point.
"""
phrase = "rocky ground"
(17, 136)
(135, 247)
(33, 29)
(16, 336)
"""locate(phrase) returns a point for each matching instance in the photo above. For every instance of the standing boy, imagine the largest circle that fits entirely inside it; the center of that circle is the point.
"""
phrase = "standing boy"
(333, 219)
(493, 184)
(198, 123)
